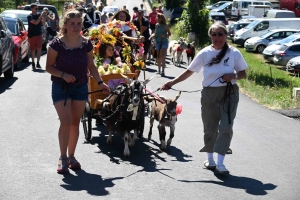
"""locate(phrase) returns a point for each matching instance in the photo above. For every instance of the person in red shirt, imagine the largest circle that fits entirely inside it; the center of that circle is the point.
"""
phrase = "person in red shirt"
(152, 19)
(190, 52)
(135, 13)
(159, 10)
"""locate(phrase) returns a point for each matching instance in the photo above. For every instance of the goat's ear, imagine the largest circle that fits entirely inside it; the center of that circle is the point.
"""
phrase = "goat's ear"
(145, 82)
(128, 80)
(178, 95)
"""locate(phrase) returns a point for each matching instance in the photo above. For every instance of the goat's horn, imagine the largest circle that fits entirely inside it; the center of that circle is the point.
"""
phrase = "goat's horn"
(178, 95)
(128, 80)
(145, 82)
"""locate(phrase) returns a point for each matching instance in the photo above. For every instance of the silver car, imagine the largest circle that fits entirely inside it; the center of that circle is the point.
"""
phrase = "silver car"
(234, 27)
(286, 52)
(269, 51)
(258, 44)
(293, 64)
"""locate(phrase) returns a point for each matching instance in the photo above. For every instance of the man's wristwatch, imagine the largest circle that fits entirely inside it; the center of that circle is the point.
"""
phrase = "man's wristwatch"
(100, 82)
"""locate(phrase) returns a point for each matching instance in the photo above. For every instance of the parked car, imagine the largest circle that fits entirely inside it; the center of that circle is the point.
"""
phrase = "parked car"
(6, 51)
(225, 8)
(286, 52)
(110, 9)
(269, 51)
(51, 11)
(235, 26)
(22, 14)
(176, 13)
(273, 13)
(20, 37)
(218, 16)
(216, 5)
(258, 44)
(293, 64)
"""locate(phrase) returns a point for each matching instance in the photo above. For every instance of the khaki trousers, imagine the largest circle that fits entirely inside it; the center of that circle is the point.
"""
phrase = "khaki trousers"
(214, 107)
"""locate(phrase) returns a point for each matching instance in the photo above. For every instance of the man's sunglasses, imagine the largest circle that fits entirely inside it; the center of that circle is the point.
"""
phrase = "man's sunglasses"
(217, 34)
(72, 15)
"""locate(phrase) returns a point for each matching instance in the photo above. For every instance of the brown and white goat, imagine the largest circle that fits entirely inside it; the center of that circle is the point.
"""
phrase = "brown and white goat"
(176, 50)
(165, 113)
(124, 112)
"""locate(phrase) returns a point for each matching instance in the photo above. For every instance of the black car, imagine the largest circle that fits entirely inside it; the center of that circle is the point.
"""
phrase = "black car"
(176, 13)
(218, 16)
(6, 51)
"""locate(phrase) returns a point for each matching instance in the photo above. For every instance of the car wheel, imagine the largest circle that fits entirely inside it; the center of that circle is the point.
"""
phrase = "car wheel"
(260, 48)
(10, 73)
(26, 59)
(19, 60)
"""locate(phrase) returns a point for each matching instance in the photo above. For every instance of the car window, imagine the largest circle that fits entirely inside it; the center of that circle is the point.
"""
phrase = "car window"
(245, 4)
(295, 48)
(12, 26)
(240, 26)
(220, 18)
(277, 35)
(288, 33)
(258, 3)
(262, 26)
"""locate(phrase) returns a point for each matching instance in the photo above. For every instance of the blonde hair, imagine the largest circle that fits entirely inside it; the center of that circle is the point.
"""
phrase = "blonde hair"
(69, 14)
(161, 18)
(216, 25)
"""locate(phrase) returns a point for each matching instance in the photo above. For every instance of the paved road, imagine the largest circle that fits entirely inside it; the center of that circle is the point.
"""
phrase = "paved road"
(264, 163)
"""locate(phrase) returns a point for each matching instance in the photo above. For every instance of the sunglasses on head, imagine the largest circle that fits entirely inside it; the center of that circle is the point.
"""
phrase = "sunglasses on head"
(72, 15)
(217, 34)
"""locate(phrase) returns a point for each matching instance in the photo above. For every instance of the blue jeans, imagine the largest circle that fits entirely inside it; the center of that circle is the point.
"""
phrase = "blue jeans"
(76, 93)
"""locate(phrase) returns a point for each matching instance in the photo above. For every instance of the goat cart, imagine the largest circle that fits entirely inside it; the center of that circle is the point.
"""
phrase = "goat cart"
(93, 108)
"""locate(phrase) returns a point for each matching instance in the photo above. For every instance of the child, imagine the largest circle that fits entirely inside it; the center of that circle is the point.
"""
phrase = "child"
(190, 52)
(109, 55)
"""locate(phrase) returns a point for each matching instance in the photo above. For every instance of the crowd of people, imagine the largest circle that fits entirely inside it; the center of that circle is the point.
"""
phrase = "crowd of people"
(70, 58)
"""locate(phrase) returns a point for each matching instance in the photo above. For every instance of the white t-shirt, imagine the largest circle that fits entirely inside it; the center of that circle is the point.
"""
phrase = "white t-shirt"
(232, 62)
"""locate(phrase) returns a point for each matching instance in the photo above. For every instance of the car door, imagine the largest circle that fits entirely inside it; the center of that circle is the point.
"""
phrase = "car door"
(23, 35)
(4, 44)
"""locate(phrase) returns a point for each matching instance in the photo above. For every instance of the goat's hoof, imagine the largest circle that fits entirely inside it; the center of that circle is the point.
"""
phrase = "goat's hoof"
(149, 138)
(169, 142)
(126, 152)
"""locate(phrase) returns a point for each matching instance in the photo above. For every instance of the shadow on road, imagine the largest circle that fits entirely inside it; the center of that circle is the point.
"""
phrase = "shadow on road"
(94, 184)
(250, 185)
(5, 84)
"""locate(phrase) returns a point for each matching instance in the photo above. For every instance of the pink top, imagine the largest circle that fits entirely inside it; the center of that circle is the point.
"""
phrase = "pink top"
(152, 17)
(160, 11)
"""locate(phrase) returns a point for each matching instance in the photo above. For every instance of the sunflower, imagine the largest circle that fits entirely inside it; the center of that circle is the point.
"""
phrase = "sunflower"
(108, 39)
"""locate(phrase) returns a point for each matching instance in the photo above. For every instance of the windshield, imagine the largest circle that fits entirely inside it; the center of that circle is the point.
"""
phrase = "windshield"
(252, 24)
(267, 34)
(23, 17)
(12, 26)
(223, 6)
(289, 39)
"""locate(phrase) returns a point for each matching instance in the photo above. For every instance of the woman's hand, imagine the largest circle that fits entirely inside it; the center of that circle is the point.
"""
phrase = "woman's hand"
(168, 85)
(69, 78)
(229, 77)
(104, 87)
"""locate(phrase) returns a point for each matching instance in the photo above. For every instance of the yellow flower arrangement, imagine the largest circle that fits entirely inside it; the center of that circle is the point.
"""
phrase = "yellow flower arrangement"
(139, 65)
(108, 39)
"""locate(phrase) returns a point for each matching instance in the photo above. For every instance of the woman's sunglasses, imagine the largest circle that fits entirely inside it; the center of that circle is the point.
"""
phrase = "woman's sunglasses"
(216, 34)
(72, 15)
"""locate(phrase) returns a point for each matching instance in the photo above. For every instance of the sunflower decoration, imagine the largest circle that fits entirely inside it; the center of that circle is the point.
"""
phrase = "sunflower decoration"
(139, 65)
(94, 33)
(109, 39)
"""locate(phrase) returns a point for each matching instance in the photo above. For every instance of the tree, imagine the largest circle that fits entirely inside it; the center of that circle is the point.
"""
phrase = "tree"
(170, 4)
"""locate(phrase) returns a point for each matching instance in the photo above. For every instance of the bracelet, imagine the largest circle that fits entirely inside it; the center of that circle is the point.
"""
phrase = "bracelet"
(62, 75)
(100, 82)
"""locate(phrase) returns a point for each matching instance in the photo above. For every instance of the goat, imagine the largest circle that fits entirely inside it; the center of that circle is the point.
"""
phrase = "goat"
(124, 111)
(176, 49)
(165, 114)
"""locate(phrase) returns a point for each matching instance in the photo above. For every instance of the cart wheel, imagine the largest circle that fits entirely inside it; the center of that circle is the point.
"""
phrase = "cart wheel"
(86, 120)
(141, 123)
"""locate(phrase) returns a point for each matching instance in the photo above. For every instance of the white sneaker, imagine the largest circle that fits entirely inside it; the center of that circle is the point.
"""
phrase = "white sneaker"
(210, 164)
(222, 169)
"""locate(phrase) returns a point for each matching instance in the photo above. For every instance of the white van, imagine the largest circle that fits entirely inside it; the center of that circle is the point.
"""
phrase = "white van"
(279, 14)
(240, 7)
(258, 11)
(262, 25)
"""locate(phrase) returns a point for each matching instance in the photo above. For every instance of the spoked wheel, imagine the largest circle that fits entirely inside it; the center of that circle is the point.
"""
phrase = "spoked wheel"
(86, 120)
(141, 122)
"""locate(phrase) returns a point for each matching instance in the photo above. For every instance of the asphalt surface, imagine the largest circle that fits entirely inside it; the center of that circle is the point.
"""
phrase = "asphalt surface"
(264, 163)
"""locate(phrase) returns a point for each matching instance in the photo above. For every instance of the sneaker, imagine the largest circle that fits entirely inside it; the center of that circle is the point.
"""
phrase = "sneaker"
(222, 169)
(210, 164)
(33, 65)
(73, 163)
(38, 65)
(62, 165)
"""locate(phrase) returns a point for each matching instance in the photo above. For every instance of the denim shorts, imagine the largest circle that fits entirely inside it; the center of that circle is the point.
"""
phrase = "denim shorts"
(161, 45)
(76, 93)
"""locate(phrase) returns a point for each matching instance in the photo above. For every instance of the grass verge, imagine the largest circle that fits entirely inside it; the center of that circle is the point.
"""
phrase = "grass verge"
(269, 85)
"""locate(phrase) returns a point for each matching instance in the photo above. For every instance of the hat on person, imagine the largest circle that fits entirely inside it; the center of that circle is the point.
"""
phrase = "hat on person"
(116, 15)
(45, 9)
